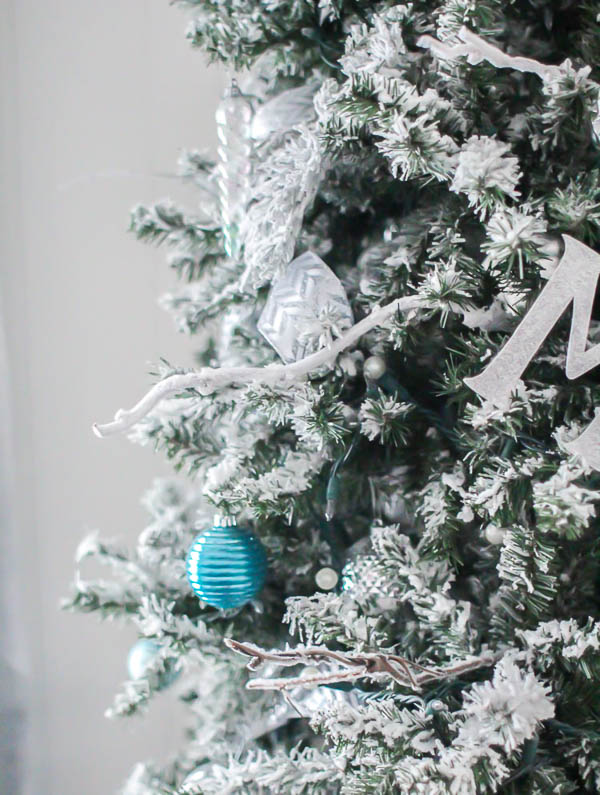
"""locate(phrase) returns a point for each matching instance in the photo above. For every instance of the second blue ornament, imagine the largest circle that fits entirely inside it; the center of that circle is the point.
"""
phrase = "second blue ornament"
(142, 655)
(226, 565)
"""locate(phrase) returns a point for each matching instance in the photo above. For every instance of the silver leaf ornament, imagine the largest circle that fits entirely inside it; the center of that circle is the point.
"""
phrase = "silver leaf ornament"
(307, 306)
(284, 111)
(572, 284)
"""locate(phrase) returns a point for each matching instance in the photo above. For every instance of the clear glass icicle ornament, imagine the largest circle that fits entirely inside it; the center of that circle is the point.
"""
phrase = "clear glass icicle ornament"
(234, 119)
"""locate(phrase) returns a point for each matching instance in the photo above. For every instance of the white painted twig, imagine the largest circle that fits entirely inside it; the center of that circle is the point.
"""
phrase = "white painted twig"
(209, 379)
(475, 49)
(376, 666)
(291, 683)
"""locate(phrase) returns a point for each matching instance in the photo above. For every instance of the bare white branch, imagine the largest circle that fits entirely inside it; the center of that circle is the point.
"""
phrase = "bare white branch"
(352, 666)
(210, 379)
(475, 49)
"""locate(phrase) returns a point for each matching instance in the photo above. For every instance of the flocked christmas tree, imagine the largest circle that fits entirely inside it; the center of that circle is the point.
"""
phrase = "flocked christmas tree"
(396, 185)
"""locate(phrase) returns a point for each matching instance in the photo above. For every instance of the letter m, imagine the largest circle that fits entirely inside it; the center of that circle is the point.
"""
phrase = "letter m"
(573, 282)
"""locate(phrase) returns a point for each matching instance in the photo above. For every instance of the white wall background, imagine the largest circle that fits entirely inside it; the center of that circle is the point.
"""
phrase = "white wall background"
(96, 98)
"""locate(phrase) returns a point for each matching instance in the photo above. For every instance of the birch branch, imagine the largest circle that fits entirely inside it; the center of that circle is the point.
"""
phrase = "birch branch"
(209, 379)
(475, 49)
(352, 666)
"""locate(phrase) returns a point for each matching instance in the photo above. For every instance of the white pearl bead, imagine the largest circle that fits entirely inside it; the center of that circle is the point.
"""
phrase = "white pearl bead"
(374, 367)
(495, 535)
(326, 578)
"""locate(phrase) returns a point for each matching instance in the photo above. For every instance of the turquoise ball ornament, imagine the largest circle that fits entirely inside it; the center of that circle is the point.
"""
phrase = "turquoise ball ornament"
(226, 565)
(141, 656)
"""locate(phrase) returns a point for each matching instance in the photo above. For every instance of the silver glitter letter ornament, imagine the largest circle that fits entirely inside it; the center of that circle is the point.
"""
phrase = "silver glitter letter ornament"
(573, 282)
(306, 308)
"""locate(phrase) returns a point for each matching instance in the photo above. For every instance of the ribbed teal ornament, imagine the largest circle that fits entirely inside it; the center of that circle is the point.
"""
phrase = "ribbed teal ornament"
(226, 565)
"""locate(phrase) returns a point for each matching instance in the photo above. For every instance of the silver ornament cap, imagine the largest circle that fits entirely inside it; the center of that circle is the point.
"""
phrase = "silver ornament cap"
(220, 520)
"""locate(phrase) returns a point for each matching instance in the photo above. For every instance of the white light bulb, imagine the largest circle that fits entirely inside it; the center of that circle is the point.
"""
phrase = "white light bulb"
(495, 535)
(374, 367)
(326, 578)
